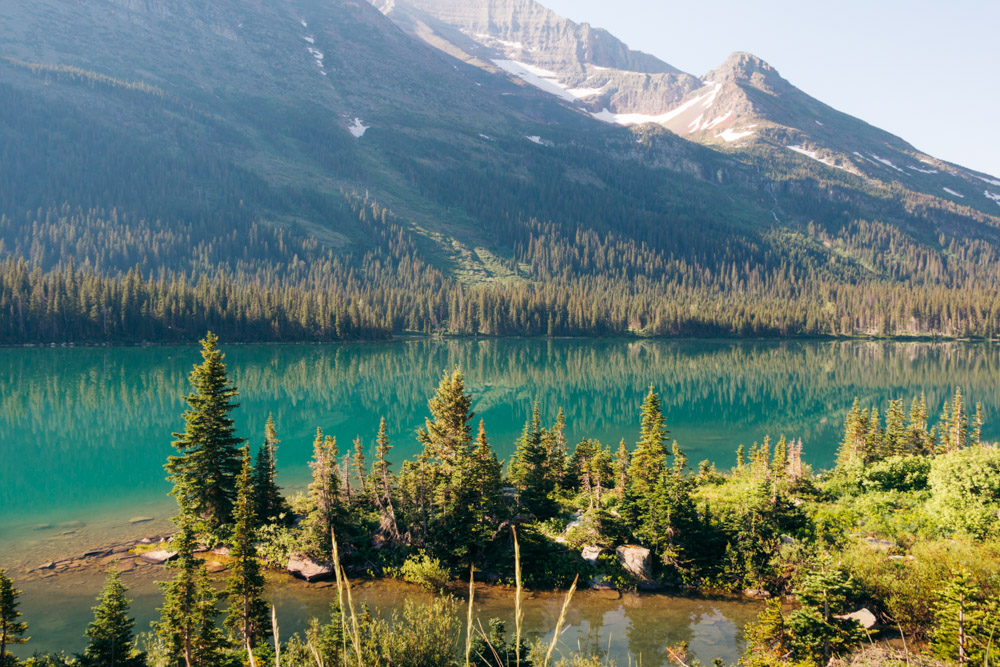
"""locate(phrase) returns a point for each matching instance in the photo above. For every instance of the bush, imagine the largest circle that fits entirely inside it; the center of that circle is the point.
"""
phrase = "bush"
(425, 571)
(965, 490)
(897, 473)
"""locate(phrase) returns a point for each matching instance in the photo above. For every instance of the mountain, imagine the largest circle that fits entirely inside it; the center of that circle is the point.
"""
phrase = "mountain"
(316, 169)
(742, 104)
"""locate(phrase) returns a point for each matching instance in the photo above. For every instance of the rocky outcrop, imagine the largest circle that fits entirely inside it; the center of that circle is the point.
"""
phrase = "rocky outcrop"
(310, 570)
(637, 561)
(863, 616)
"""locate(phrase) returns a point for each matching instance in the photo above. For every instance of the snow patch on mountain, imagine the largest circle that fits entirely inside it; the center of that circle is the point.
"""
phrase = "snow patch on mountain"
(318, 57)
(887, 163)
(992, 195)
(952, 192)
(304, 24)
(542, 79)
(309, 39)
(730, 135)
(922, 171)
(811, 154)
(991, 181)
(705, 100)
(536, 139)
(698, 125)
(358, 129)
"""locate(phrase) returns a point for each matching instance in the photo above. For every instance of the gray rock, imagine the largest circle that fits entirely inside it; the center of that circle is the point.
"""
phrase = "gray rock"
(880, 544)
(863, 616)
(310, 570)
(591, 553)
(158, 557)
(636, 561)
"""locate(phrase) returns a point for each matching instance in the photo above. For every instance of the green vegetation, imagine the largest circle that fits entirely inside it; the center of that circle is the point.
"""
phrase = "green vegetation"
(905, 526)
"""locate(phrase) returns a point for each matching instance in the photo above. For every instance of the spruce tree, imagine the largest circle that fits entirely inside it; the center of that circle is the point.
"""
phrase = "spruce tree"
(187, 625)
(963, 630)
(269, 504)
(486, 490)
(248, 614)
(381, 485)
(204, 473)
(621, 468)
(325, 509)
(11, 630)
(648, 464)
(111, 641)
(817, 632)
(529, 469)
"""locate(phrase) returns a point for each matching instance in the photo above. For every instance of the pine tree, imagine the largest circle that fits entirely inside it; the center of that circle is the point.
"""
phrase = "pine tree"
(324, 494)
(204, 474)
(647, 466)
(269, 504)
(248, 614)
(895, 430)
(648, 462)
(817, 633)
(963, 631)
(187, 619)
(918, 438)
(111, 641)
(360, 467)
(779, 464)
(854, 446)
(529, 468)
(11, 630)
(557, 450)
(381, 485)
(621, 468)
(486, 490)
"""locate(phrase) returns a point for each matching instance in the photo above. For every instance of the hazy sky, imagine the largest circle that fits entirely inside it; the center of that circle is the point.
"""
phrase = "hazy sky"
(925, 70)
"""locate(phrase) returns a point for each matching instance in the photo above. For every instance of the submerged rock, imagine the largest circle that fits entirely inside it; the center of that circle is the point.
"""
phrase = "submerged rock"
(158, 557)
(215, 566)
(756, 594)
(310, 570)
(140, 519)
(636, 561)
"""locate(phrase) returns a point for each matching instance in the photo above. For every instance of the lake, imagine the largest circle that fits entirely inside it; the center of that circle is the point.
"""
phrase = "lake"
(84, 432)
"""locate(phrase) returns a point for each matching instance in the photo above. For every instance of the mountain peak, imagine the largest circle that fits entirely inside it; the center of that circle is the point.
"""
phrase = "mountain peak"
(743, 67)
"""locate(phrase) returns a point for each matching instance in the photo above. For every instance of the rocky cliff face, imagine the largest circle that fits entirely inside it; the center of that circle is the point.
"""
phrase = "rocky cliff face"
(587, 66)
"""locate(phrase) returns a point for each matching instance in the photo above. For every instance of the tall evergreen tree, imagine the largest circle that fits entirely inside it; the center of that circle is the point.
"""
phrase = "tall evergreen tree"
(269, 504)
(187, 624)
(647, 465)
(325, 508)
(381, 485)
(529, 468)
(819, 631)
(204, 473)
(486, 490)
(621, 468)
(111, 641)
(11, 630)
(248, 614)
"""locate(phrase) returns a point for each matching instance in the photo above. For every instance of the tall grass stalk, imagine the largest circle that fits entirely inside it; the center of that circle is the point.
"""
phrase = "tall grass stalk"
(518, 611)
(342, 585)
(468, 621)
(277, 640)
(559, 623)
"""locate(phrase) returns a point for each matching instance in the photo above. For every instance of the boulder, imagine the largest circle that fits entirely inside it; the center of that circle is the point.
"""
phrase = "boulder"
(590, 553)
(636, 561)
(221, 551)
(214, 566)
(310, 570)
(158, 557)
(863, 616)
(756, 594)
(880, 544)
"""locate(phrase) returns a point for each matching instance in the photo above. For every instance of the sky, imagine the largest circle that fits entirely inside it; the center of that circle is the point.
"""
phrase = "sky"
(927, 71)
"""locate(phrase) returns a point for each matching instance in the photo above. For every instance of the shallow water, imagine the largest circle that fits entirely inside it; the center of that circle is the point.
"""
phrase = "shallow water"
(629, 626)
(84, 432)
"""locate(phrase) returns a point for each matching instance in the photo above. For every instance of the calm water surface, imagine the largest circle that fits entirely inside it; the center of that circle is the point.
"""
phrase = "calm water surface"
(84, 432)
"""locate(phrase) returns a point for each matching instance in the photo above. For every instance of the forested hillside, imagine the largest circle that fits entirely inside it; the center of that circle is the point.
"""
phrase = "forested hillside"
(309, 172)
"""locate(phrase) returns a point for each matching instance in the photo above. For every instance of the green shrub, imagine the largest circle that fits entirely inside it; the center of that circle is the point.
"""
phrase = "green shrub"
(425, 571)
(897, 473)
(965, 491)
